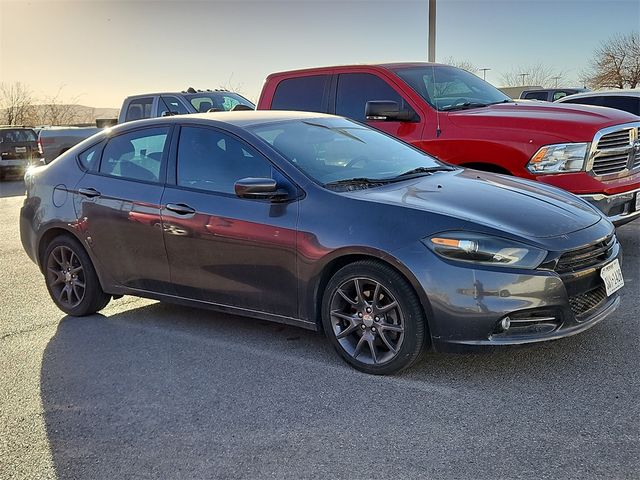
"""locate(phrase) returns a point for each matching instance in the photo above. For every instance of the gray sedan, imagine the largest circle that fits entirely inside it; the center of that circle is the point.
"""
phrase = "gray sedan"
(320, 222)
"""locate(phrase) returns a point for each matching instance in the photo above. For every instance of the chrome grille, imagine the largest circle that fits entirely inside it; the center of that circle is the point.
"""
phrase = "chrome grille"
(584, 303)
(585, 257)
(614, 151)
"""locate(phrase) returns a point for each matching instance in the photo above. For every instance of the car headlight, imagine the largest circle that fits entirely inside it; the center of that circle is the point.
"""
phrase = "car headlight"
(561, 158)
(485, 250)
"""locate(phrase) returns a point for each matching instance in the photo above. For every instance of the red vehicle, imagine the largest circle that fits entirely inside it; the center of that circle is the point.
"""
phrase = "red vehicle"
(459, 118)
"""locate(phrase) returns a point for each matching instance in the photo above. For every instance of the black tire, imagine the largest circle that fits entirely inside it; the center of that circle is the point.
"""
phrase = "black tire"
(375, 336)
(67, 267)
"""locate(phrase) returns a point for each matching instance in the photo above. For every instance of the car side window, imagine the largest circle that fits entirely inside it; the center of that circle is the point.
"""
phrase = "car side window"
(212, 160)
(139, 108)
(536, 96)
(627, 104)
(170, 104)
(302, 93)
(136, 155)
(89, 158)
(356, 89)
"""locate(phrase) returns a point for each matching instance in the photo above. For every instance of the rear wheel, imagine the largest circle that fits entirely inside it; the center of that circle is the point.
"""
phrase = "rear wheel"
(373, 318)
(71, 278)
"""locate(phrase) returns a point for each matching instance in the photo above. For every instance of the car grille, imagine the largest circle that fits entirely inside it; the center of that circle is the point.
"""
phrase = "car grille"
(614, 152)
(584, 303)
(585, 257)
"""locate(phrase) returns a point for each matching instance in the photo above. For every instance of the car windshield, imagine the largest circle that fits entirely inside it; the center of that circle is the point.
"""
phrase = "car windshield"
(218, 101)
(17, 136)
(449, 88)
(335, 151)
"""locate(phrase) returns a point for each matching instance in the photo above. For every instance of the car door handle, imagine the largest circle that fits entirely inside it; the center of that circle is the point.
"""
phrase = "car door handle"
(180, 208)
(89, 192)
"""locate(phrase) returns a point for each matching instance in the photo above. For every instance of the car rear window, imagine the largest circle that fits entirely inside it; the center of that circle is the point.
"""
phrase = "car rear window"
(18, 136)
(303, 93)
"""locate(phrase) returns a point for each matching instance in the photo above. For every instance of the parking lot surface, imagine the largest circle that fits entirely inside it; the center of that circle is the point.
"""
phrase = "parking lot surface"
(151, 390)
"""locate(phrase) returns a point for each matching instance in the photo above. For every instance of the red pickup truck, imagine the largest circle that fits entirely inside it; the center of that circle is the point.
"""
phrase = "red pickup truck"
(454, 115)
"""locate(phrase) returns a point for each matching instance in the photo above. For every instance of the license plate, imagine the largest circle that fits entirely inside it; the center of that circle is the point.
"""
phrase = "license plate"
(612, 276)
(637, 201)
(21, 149)
(12, 163)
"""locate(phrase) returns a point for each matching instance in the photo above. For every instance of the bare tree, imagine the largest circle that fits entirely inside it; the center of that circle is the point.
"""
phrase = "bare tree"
(16, 102)
(615, 64)
(58, 111)
(463, 64)
(536, 74)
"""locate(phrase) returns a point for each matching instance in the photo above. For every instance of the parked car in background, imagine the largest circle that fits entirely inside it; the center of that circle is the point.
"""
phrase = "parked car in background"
(461, 119)
(320, 222)
(625, 100)
(54, 141)
(151, 105)
(549, 94)
(18, 150)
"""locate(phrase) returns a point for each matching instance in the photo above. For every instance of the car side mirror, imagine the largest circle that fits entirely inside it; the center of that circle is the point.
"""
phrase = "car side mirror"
(259, 188)
(387, 110)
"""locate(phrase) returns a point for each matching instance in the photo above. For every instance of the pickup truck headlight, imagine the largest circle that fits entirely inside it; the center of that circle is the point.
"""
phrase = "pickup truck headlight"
(485, 250)
(560, 158)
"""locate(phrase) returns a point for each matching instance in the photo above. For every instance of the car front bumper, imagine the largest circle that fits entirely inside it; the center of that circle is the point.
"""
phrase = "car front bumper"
(465, 306)
(620, 208)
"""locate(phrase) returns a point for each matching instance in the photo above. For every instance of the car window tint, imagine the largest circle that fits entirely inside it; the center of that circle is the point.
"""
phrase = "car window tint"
(302, 93)
(139, 108)
(214, 161)
(356, 89)
(17, 136)
(170, 104)
(536, 96)
(136, 155)
(626, 103)
(89, 158)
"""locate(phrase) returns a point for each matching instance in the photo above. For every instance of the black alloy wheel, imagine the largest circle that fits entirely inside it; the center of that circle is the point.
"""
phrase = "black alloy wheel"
(71, 279)
(374, 318)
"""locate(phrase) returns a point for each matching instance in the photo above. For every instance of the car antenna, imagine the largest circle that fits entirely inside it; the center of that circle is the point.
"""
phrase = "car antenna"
(435, 96)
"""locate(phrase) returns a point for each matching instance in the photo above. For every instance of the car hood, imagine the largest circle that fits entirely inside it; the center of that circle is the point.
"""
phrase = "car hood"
(574, 123)
(520, 207)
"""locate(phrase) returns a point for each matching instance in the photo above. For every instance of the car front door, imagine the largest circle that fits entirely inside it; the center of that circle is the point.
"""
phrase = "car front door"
(118, 206)
(354, 90)
(224, 249)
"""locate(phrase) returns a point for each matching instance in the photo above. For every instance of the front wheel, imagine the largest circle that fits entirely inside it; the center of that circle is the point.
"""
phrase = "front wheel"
(373, 318)
(71, 279)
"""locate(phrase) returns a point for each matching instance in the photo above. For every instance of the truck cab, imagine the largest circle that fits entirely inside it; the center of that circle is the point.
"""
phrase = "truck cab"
(152, 105)
(461, 119)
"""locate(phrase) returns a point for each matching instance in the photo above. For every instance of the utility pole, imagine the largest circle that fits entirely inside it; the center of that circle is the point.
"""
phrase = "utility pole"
(523, 75)
(484, 72)
(432, 30)
(556, 79)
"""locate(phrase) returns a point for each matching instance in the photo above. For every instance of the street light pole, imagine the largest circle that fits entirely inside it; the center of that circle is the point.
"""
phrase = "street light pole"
(484, 72)
(432, 30)
(523, 75)
(556, 79)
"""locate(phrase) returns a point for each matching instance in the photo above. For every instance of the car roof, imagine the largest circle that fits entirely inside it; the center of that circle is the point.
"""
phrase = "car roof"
(183, 92)
(240, 119)
(385, 66)
(607, 93)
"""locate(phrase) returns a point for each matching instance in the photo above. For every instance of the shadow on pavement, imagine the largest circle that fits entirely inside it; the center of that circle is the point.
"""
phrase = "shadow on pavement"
(163, 391)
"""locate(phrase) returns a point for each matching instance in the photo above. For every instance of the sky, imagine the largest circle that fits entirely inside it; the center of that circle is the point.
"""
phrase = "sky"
(100, 52)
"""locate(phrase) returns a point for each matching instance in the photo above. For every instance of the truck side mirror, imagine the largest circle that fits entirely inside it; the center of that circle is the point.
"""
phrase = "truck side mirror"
(387, 110)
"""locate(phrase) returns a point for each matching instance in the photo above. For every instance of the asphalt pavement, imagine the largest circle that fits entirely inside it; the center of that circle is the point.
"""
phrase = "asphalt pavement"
(151, 390)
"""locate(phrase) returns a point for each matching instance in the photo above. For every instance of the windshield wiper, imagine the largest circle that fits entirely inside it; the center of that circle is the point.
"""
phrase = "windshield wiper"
(463, 106)
(416, 172)
(356, 181)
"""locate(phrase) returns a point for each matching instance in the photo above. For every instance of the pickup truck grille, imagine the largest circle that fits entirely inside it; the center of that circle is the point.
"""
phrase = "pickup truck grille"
(616, 150)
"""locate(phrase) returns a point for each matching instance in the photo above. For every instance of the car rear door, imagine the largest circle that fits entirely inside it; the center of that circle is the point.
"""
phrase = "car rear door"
(118, 205)
(224, 249)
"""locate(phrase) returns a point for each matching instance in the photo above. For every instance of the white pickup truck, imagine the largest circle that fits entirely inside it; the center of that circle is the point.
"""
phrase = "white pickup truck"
(53, 141)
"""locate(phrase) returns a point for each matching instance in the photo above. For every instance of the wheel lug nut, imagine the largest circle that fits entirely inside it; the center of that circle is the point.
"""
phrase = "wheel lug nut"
(368, 310)
(363, 326)
(377, 319)
(360, 314)
(373, 329)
